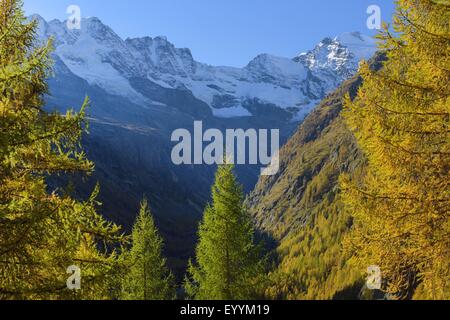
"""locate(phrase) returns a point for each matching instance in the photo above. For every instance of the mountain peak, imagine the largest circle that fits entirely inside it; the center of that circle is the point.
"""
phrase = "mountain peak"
(37, 17)
(102, 58)
(354, 37)
(346, 46)
(336, 59)
(275, 66)
(326, 41)
(361, 45)
(161, 38)
(95, 20)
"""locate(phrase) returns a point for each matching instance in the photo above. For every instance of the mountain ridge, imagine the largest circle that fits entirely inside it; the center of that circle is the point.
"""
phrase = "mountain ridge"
(293, 85)
(141, 90)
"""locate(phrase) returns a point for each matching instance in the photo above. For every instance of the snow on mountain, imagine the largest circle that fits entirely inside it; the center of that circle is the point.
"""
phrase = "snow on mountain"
(98, 55)
(162, 57)
(335, 60)
(94, 53)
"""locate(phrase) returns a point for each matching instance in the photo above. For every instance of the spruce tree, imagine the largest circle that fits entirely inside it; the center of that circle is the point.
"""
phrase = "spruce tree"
(43, 233)
(228, 263)
(148, 277)
(401, 121)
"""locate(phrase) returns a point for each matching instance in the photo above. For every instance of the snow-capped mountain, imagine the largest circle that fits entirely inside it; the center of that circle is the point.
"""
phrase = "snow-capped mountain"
(143, 89)
(98, 55)
(334, 60)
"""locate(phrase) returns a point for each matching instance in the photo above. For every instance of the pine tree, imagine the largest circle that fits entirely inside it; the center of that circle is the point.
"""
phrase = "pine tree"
(401, 121)
(229, 266)
(148, 277)
(42, 233)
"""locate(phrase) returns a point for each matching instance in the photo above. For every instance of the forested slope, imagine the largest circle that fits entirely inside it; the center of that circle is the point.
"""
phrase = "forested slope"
(301, 208)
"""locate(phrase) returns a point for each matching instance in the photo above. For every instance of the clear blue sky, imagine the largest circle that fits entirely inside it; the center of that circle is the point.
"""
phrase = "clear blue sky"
(225, 32)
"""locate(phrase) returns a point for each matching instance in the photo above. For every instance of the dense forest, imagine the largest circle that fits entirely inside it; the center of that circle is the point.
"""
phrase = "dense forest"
(363, 182)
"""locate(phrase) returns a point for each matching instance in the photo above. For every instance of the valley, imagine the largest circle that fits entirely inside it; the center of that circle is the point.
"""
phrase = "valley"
(142, 90)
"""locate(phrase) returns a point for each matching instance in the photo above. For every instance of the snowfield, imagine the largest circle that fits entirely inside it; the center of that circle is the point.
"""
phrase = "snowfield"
(98, 55)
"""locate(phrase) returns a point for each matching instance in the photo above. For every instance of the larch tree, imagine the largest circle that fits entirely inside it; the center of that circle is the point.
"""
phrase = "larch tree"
(228, 263)
(147, 277)
(401, 121)
(42, 232)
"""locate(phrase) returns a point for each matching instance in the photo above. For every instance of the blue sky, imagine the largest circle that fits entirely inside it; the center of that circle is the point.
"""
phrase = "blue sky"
(226, 32)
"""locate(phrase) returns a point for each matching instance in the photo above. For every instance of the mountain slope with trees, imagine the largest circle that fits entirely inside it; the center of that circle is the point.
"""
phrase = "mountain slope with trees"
(145, 88)
(369, 186)
(301, 207)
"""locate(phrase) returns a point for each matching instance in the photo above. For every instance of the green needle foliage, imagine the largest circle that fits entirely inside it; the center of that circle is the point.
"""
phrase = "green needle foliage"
(148, 277)
(229, 264)
(42, 233)
(401, 121)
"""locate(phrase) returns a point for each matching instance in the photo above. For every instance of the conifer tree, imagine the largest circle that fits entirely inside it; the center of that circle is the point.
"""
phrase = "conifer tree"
(401, 121)
(148, 277)
(42, 234)
(228, 263)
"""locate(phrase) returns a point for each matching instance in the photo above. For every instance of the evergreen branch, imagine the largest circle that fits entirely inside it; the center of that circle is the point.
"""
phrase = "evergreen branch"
(404, 15)
(35, 62)
(403, 198)
(434, 153)
(9, 247)
(9, 29)
(75, 123)
(380, 107)
(407, 85)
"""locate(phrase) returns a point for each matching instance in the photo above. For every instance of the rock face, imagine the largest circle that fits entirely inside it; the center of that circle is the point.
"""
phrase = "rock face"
(142, 89)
